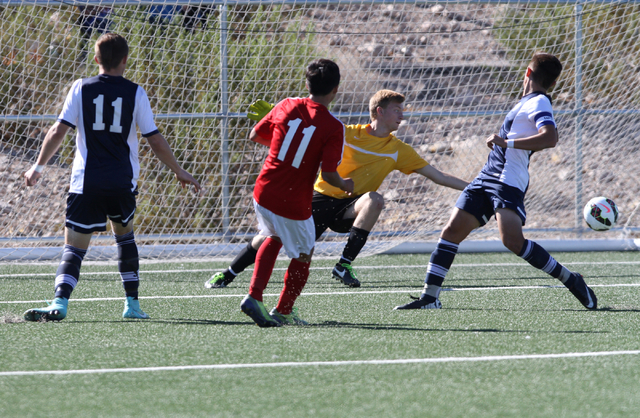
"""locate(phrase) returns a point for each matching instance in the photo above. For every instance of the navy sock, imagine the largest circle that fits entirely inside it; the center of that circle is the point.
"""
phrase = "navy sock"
(357, 240)
(128, 263)
(68, 271)
(539, 258)
(439, 265)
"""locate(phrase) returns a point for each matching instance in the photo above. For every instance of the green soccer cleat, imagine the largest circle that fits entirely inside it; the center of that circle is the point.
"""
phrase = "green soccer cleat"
(56, 311)
(344, 273)
(218, 280)
(256, 311)
(132, 309)
(291, 319)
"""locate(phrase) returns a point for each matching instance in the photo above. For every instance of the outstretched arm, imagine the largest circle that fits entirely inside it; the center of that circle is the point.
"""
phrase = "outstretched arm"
(441, 178)
(51, 143)
(162, 150)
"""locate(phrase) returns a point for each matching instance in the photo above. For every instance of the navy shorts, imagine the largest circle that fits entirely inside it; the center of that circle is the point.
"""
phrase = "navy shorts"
(328, 212)
(482, 198)
(87, 213)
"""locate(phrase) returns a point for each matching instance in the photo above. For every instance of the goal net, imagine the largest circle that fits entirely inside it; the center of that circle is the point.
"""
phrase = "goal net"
(460, 65)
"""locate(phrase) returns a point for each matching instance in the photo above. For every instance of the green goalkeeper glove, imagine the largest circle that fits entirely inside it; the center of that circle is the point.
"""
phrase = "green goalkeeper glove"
(260, 108)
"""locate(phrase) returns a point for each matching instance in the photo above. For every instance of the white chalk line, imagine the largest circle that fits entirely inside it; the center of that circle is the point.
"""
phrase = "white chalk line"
(323, 363)
(343, 293)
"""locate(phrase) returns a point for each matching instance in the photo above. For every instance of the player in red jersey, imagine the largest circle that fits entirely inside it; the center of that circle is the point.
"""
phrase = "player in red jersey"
(301, 133)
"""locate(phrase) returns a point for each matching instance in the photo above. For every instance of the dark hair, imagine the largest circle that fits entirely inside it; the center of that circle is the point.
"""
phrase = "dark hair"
(110, 49)
(323, 76)
(545, 69)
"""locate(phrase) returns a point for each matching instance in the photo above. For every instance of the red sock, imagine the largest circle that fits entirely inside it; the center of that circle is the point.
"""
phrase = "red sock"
(265, 260)
(294, 281)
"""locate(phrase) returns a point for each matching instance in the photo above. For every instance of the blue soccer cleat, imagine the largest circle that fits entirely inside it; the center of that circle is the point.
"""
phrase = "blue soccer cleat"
(132, 309)
(292, 319)
(56, 311)
(256, 311)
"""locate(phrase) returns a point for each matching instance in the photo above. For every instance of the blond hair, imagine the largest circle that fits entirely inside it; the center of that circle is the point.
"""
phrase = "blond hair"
(382, 98)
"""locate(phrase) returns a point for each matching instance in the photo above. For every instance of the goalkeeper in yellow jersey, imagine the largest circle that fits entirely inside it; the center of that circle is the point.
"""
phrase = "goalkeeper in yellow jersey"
(371, 152)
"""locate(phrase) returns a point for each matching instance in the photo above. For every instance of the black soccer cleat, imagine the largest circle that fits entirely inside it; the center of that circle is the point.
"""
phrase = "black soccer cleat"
(423, 302)
(581, 291)
(344, 273)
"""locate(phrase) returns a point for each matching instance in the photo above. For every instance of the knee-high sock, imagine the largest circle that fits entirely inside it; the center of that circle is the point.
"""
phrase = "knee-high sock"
(294, 280)
(439, 265)
(539, 258)
(265, 260)
(357, 240)
(245, 258)
(68, 271)
(128, 263)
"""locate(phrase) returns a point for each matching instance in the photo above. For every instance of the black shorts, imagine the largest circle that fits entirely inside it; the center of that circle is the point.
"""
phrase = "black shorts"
(87, 213)
(482, 198)
(328, 212)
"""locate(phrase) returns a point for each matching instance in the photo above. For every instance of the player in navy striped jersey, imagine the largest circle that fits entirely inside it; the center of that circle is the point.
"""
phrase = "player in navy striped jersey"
(500, 187)
(105, 110)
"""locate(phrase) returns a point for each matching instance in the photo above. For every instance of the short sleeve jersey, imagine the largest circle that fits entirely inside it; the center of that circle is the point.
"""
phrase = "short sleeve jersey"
(509, 165)
(369, 159)
(303, 135)
(105, 110)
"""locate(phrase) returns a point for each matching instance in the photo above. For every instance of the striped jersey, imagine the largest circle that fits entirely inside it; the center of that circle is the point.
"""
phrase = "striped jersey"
(106, 109)
(509, 165)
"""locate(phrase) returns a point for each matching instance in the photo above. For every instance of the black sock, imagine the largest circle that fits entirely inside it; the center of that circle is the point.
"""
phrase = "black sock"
(245, 258)
(357, 240)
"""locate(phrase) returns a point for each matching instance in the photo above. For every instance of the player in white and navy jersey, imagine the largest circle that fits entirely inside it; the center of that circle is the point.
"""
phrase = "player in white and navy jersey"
(500, 188)
(105, 110)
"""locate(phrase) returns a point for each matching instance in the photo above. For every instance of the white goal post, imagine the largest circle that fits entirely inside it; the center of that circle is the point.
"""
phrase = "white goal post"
(459, 64)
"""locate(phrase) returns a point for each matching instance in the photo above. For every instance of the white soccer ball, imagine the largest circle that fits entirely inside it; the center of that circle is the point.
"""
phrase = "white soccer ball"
(601, 213)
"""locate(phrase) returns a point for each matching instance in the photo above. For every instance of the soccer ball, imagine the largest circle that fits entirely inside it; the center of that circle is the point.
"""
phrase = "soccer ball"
(601, 213)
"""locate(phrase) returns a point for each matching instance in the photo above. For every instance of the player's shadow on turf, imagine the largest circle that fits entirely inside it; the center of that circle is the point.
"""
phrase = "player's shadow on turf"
(174, 321)
(398, 327)
(191, 321)
(619, 309)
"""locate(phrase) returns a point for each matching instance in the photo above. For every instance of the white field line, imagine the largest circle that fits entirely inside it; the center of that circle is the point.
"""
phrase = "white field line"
(323, 363)
(415, 266)
(344, 292)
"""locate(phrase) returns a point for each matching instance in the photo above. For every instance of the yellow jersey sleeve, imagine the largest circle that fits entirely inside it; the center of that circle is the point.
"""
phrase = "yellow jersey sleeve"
(368, 160)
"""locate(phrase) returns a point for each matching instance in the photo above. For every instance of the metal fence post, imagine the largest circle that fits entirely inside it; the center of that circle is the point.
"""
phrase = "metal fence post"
(579, 116)
(224, 123)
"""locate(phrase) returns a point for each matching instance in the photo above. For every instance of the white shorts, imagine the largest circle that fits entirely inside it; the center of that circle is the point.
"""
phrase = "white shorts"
(298, 237)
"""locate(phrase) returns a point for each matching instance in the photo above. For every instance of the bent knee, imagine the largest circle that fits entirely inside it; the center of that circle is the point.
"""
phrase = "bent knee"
(513, 243)
(304, 258)
(375, 200)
